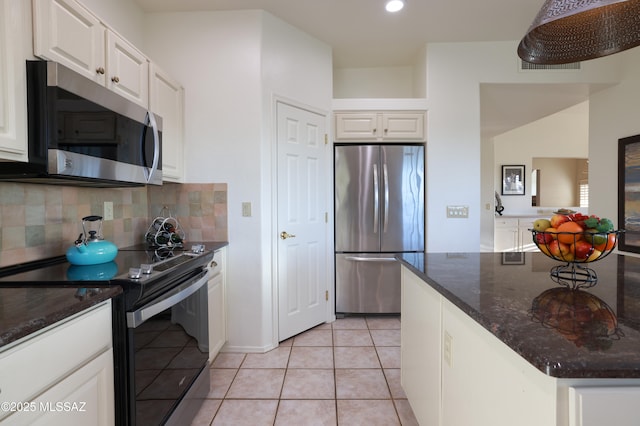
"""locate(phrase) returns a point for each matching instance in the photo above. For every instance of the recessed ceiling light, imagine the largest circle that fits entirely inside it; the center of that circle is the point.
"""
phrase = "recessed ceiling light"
(394, 5)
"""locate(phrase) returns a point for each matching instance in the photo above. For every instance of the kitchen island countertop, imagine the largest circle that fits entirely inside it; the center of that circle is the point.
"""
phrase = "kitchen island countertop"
(502, 291)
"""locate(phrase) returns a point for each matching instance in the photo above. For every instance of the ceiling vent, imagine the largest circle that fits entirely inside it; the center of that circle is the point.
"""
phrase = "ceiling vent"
(528, 66)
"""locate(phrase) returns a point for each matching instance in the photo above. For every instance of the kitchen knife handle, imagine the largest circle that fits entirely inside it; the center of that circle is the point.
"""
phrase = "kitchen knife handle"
(376, 199)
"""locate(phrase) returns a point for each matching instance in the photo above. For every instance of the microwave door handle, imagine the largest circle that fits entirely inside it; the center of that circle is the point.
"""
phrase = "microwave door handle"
(156, 144)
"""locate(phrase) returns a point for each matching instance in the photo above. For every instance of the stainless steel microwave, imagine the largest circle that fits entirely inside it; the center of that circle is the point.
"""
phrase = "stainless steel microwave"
(81, 133)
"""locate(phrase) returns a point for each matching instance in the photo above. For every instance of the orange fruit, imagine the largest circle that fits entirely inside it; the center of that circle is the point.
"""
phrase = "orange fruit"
(569, 232)
(609, 245)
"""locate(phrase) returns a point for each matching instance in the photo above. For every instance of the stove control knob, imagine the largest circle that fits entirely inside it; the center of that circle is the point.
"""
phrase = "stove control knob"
(197, 248)
(146, 268)
(135, 273)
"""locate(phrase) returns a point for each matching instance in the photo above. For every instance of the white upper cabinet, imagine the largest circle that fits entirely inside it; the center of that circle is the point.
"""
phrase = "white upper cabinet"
(127, 70)
(379, 126)
(14, 32)
(65, 32)
(166, 99)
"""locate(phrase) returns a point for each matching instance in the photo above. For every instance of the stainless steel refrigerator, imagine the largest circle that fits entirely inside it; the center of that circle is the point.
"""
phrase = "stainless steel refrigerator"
(379, 211)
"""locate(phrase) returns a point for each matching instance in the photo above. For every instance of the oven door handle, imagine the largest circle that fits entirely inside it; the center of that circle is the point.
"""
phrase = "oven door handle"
(137, 317)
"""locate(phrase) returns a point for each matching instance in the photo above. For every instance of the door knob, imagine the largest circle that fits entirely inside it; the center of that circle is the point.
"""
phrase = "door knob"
(284, 235)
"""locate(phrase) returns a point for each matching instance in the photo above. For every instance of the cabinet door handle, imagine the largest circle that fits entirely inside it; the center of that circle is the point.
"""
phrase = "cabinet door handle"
(100, 70)
(115, 79)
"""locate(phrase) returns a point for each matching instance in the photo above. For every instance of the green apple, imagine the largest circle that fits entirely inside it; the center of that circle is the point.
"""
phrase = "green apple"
(541, 224)
(593, 236)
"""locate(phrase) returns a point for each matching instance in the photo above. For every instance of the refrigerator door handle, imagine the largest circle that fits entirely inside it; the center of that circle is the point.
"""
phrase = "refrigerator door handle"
(385, 174)
(371, 259)
(376, 201)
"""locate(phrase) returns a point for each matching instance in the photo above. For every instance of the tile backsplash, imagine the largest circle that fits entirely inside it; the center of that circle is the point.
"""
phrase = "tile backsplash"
(40, 221)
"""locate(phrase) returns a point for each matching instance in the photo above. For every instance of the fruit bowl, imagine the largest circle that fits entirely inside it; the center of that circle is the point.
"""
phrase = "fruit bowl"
(575, 249)
(578, 247)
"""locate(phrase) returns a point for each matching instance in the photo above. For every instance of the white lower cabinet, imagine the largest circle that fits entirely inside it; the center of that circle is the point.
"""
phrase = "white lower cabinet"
(217, 304)
(420, 351)
(495, 386)
(597, 406)
(62, 375)
(456, 373)
(513, 234)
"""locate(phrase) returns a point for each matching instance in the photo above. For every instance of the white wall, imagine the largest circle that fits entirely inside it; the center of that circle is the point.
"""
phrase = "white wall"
(232, 65)
(561, 135)
(380, 82)
(296, 68)
(454, 74)
(613, 114)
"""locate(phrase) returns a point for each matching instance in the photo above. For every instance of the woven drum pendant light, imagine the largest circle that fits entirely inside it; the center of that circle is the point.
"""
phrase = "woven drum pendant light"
(566, 31)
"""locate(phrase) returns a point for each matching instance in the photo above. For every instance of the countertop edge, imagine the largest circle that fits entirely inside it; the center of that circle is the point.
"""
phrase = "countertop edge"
(544, 365)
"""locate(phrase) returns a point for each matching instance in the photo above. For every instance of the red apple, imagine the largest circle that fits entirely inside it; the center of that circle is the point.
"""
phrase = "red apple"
(544, 238)
(560, 250)
(582, 250)
(558, 219)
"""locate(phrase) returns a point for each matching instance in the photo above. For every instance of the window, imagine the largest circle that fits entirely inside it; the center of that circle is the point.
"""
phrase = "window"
(584, 194)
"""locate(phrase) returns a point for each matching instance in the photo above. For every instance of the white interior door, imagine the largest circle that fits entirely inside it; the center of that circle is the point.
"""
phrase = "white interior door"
(302, 227)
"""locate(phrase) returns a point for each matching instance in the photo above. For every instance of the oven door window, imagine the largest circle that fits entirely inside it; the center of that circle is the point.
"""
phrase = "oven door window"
(171, 348)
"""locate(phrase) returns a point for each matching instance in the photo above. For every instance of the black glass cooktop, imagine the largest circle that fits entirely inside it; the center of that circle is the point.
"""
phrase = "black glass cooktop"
(59, 271)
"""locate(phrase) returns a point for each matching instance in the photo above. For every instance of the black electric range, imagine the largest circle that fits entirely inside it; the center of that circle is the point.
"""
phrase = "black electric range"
(141, 271)
(159, 324)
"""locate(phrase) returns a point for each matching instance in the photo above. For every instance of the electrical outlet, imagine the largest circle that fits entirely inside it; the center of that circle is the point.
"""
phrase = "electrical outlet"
(458, 212)
(246, 209)
(447, 349)
(107, 213)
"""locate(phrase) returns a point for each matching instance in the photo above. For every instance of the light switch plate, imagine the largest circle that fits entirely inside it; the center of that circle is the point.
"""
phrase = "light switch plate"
(246, 209)
(458, 212)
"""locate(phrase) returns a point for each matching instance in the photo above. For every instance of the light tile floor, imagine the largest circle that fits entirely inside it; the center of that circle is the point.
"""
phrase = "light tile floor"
(343, 373)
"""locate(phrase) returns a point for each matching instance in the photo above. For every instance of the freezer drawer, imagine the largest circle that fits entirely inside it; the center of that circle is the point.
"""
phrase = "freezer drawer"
(367, 283)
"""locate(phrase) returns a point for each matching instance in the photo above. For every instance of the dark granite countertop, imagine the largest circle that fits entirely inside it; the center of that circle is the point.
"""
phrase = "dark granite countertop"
(585, 333)
(25, 310)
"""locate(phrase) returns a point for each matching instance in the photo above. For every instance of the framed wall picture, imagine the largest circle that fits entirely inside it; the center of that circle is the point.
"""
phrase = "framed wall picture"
(629, 193)
(512, 180)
